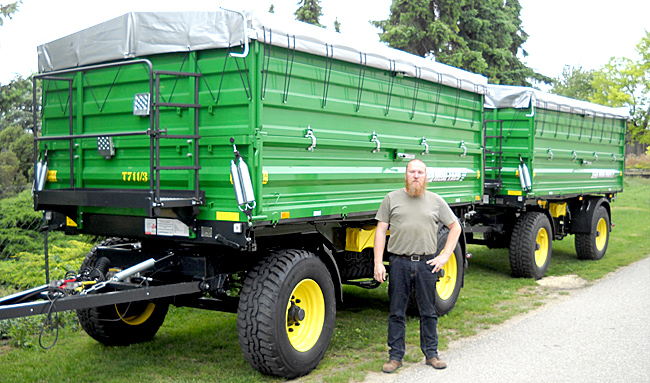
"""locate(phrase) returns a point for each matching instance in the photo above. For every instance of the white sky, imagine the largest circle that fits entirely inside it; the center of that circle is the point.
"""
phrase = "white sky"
(575, 32)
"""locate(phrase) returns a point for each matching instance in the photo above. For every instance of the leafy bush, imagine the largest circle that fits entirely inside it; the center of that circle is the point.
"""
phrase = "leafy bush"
(22, 260)
(26, 269)
(19, 212)
(19, 226)
(22, 264)
(640, 161)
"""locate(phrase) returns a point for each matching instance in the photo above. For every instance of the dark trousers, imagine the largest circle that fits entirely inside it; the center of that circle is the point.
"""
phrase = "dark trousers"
(405, 273)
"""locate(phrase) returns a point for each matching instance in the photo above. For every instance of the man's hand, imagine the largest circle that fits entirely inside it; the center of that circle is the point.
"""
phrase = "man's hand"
(452, 239)
(380, 272)
(438, 262)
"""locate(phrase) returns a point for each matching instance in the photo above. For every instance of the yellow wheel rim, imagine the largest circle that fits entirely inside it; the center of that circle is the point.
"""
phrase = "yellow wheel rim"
(305, 315)
(601, 237)
(541, 254)
(446, 285)
(138, 319)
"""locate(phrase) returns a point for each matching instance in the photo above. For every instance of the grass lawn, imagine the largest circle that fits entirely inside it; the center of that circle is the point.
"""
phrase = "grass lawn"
(201, 346)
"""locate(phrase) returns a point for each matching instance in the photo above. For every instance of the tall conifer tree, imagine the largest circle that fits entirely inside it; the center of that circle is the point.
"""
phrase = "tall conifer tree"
(481, 36)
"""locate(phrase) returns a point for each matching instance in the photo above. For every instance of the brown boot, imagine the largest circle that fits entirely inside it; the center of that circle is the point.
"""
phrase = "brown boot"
(391, 366)
(437, 363)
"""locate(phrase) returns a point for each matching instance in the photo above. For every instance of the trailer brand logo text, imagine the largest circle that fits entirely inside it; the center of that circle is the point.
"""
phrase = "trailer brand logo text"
(443, 175)
(604, 173)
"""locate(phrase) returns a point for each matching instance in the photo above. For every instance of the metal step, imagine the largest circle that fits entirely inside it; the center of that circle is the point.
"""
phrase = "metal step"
(167, 202)
(492, 184)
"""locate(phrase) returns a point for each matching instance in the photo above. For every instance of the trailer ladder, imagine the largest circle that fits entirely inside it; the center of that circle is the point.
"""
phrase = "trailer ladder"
(158, 134)
(493, 178)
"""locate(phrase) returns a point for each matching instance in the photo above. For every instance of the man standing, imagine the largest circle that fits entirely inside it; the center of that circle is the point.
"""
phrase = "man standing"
(413, 214)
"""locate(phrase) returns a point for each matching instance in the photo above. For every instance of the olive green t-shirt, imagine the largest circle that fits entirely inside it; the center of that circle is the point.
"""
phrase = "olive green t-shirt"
(414, 221)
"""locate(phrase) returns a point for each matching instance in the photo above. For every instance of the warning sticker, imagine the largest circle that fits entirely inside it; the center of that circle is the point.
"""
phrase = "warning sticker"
(172, 228)
(166, 227)
(150, 226)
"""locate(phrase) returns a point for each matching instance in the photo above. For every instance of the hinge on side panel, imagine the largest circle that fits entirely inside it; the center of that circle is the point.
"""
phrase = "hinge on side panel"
(310, 134)
(375, 139)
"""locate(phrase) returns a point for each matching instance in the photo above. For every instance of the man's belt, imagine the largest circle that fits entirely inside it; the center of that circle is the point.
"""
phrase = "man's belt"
(416, 257)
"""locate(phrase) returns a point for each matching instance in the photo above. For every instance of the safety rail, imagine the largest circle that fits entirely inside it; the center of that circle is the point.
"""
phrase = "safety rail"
(146, 199)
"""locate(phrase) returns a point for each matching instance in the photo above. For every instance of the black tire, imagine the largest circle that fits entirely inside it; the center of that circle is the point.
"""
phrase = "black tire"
(449, 285)
(270, 304)
(122, 324)
(531, 246)
(353, 265)
(593, 246)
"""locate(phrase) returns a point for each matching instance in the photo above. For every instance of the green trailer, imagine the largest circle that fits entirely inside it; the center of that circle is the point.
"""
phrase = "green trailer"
(214, 147)
(235, 162)
(552, 167)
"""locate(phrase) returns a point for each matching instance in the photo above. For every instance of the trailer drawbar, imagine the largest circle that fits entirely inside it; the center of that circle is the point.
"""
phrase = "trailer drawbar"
(91, 288)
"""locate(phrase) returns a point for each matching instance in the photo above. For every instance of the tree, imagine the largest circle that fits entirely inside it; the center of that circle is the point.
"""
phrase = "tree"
(6, 11)
(16, 104)
(309, 12)
(422, 27)
(16, 122)
(481, 36)
(625, 82)
(575, 83)
(16, 153)
(622, 82)
(9, 174)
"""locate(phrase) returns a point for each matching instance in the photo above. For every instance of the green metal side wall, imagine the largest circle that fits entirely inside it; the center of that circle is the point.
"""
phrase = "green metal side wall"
(566, 153)
(268, 113)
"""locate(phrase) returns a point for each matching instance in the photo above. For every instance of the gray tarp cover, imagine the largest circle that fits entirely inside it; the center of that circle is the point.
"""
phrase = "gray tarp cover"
(503, 96)
(141, 34)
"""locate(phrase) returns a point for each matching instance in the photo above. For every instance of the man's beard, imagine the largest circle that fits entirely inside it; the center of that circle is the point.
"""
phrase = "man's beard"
(416, 190)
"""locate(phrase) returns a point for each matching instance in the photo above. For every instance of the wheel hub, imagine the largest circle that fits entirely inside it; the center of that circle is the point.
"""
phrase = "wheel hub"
(295, 315)
(601, 234)
(447, 278)
(541, 247)
(305, 315)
